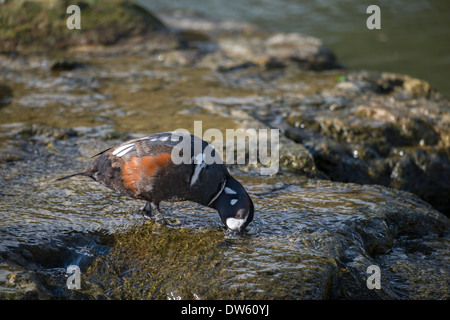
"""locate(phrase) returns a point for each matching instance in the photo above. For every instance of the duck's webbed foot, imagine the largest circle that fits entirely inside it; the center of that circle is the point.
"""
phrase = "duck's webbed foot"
(151, 211)
(156, 214)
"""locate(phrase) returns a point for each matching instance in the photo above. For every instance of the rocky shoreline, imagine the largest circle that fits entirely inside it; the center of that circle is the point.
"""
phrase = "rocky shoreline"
(364, 161)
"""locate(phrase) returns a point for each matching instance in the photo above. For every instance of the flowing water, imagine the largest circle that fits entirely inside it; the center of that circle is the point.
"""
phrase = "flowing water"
(310, 238)
(413, 39)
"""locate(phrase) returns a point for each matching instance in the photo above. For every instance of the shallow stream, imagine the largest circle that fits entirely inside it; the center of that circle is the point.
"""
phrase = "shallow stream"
(310, 239)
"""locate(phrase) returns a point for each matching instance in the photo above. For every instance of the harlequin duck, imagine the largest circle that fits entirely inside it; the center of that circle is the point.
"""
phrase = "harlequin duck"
(151, 168)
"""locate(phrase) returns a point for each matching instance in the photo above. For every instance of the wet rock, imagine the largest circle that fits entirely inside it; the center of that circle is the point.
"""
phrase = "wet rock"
(64, 65)
(230, 45)
(19, 284)
(380, 135)
(385, 82)
(298, 158)
(27, 142)
(307, 243)
(6, 95)
(272, 52)
(424, 174)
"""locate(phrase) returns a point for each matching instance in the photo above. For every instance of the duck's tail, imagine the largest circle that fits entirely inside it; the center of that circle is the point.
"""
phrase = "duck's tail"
(71, 175)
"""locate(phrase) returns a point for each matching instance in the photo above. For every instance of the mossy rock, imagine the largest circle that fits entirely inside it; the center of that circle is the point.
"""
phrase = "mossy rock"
(42, 24)
(150, 262)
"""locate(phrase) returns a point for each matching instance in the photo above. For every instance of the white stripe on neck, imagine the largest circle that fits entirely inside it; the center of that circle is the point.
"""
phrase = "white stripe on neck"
(218, 193)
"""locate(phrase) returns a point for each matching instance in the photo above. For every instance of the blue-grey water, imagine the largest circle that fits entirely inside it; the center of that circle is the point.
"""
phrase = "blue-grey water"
(414, 37)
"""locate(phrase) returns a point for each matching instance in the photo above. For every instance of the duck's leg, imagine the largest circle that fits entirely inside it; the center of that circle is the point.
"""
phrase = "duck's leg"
(147, 211)
(151, 211)
(157, 214)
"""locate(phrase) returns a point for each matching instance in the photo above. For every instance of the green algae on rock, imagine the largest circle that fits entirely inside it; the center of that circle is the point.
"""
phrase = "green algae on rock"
(151, 262)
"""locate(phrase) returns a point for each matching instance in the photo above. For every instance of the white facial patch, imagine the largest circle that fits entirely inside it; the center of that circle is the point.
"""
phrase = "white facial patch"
(164, 138)
(233, 202)
(230, 191)
(121, 151)
(235, 224)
